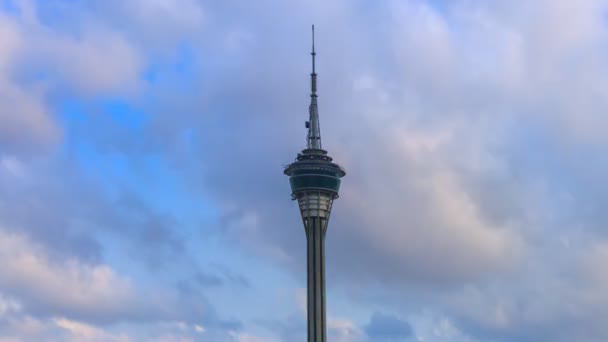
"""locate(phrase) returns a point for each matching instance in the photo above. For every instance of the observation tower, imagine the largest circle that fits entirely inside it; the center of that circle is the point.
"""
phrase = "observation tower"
(315, 181)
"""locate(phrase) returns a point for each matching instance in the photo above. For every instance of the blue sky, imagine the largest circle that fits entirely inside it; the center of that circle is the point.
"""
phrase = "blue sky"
(142, 145)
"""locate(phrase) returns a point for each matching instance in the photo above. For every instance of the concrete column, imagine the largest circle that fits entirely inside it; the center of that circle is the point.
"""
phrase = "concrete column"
(315, 237)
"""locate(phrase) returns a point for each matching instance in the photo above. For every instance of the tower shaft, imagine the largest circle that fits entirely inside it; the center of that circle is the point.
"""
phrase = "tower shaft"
(315, 237)
(315, 208)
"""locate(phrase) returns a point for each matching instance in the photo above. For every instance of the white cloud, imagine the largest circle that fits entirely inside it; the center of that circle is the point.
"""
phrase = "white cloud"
(340, 329)
(101, 61)
(428, 225)
(36, 58)
(17, 325)
(83, 332)
(24, 118)
(26, 122)
(65, 286)
(95, 60)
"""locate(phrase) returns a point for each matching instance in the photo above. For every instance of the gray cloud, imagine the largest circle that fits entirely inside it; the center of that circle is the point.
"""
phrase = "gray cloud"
(54, 214)
(432, 193)
(71, 209)
(446, 185)
(467, 132)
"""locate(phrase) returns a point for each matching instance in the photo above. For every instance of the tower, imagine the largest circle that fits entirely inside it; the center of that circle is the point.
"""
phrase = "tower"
(315, 181)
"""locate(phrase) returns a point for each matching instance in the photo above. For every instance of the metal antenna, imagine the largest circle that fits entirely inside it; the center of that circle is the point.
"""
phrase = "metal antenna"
(314, 129)
(313, 50)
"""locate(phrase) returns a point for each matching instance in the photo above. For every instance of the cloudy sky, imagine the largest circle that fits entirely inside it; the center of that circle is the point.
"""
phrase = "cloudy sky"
(142, 144)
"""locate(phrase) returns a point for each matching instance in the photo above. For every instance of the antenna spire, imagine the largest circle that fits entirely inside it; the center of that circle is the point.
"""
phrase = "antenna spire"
(314, 130)
(313, 49)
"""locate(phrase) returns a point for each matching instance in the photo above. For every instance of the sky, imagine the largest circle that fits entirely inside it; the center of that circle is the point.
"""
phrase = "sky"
(142, 145)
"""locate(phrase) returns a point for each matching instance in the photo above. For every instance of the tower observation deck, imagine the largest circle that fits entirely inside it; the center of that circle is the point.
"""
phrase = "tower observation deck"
(315, 182)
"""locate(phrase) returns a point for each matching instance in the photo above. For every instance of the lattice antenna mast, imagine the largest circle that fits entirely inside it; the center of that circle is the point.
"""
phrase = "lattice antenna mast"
(314, 129)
